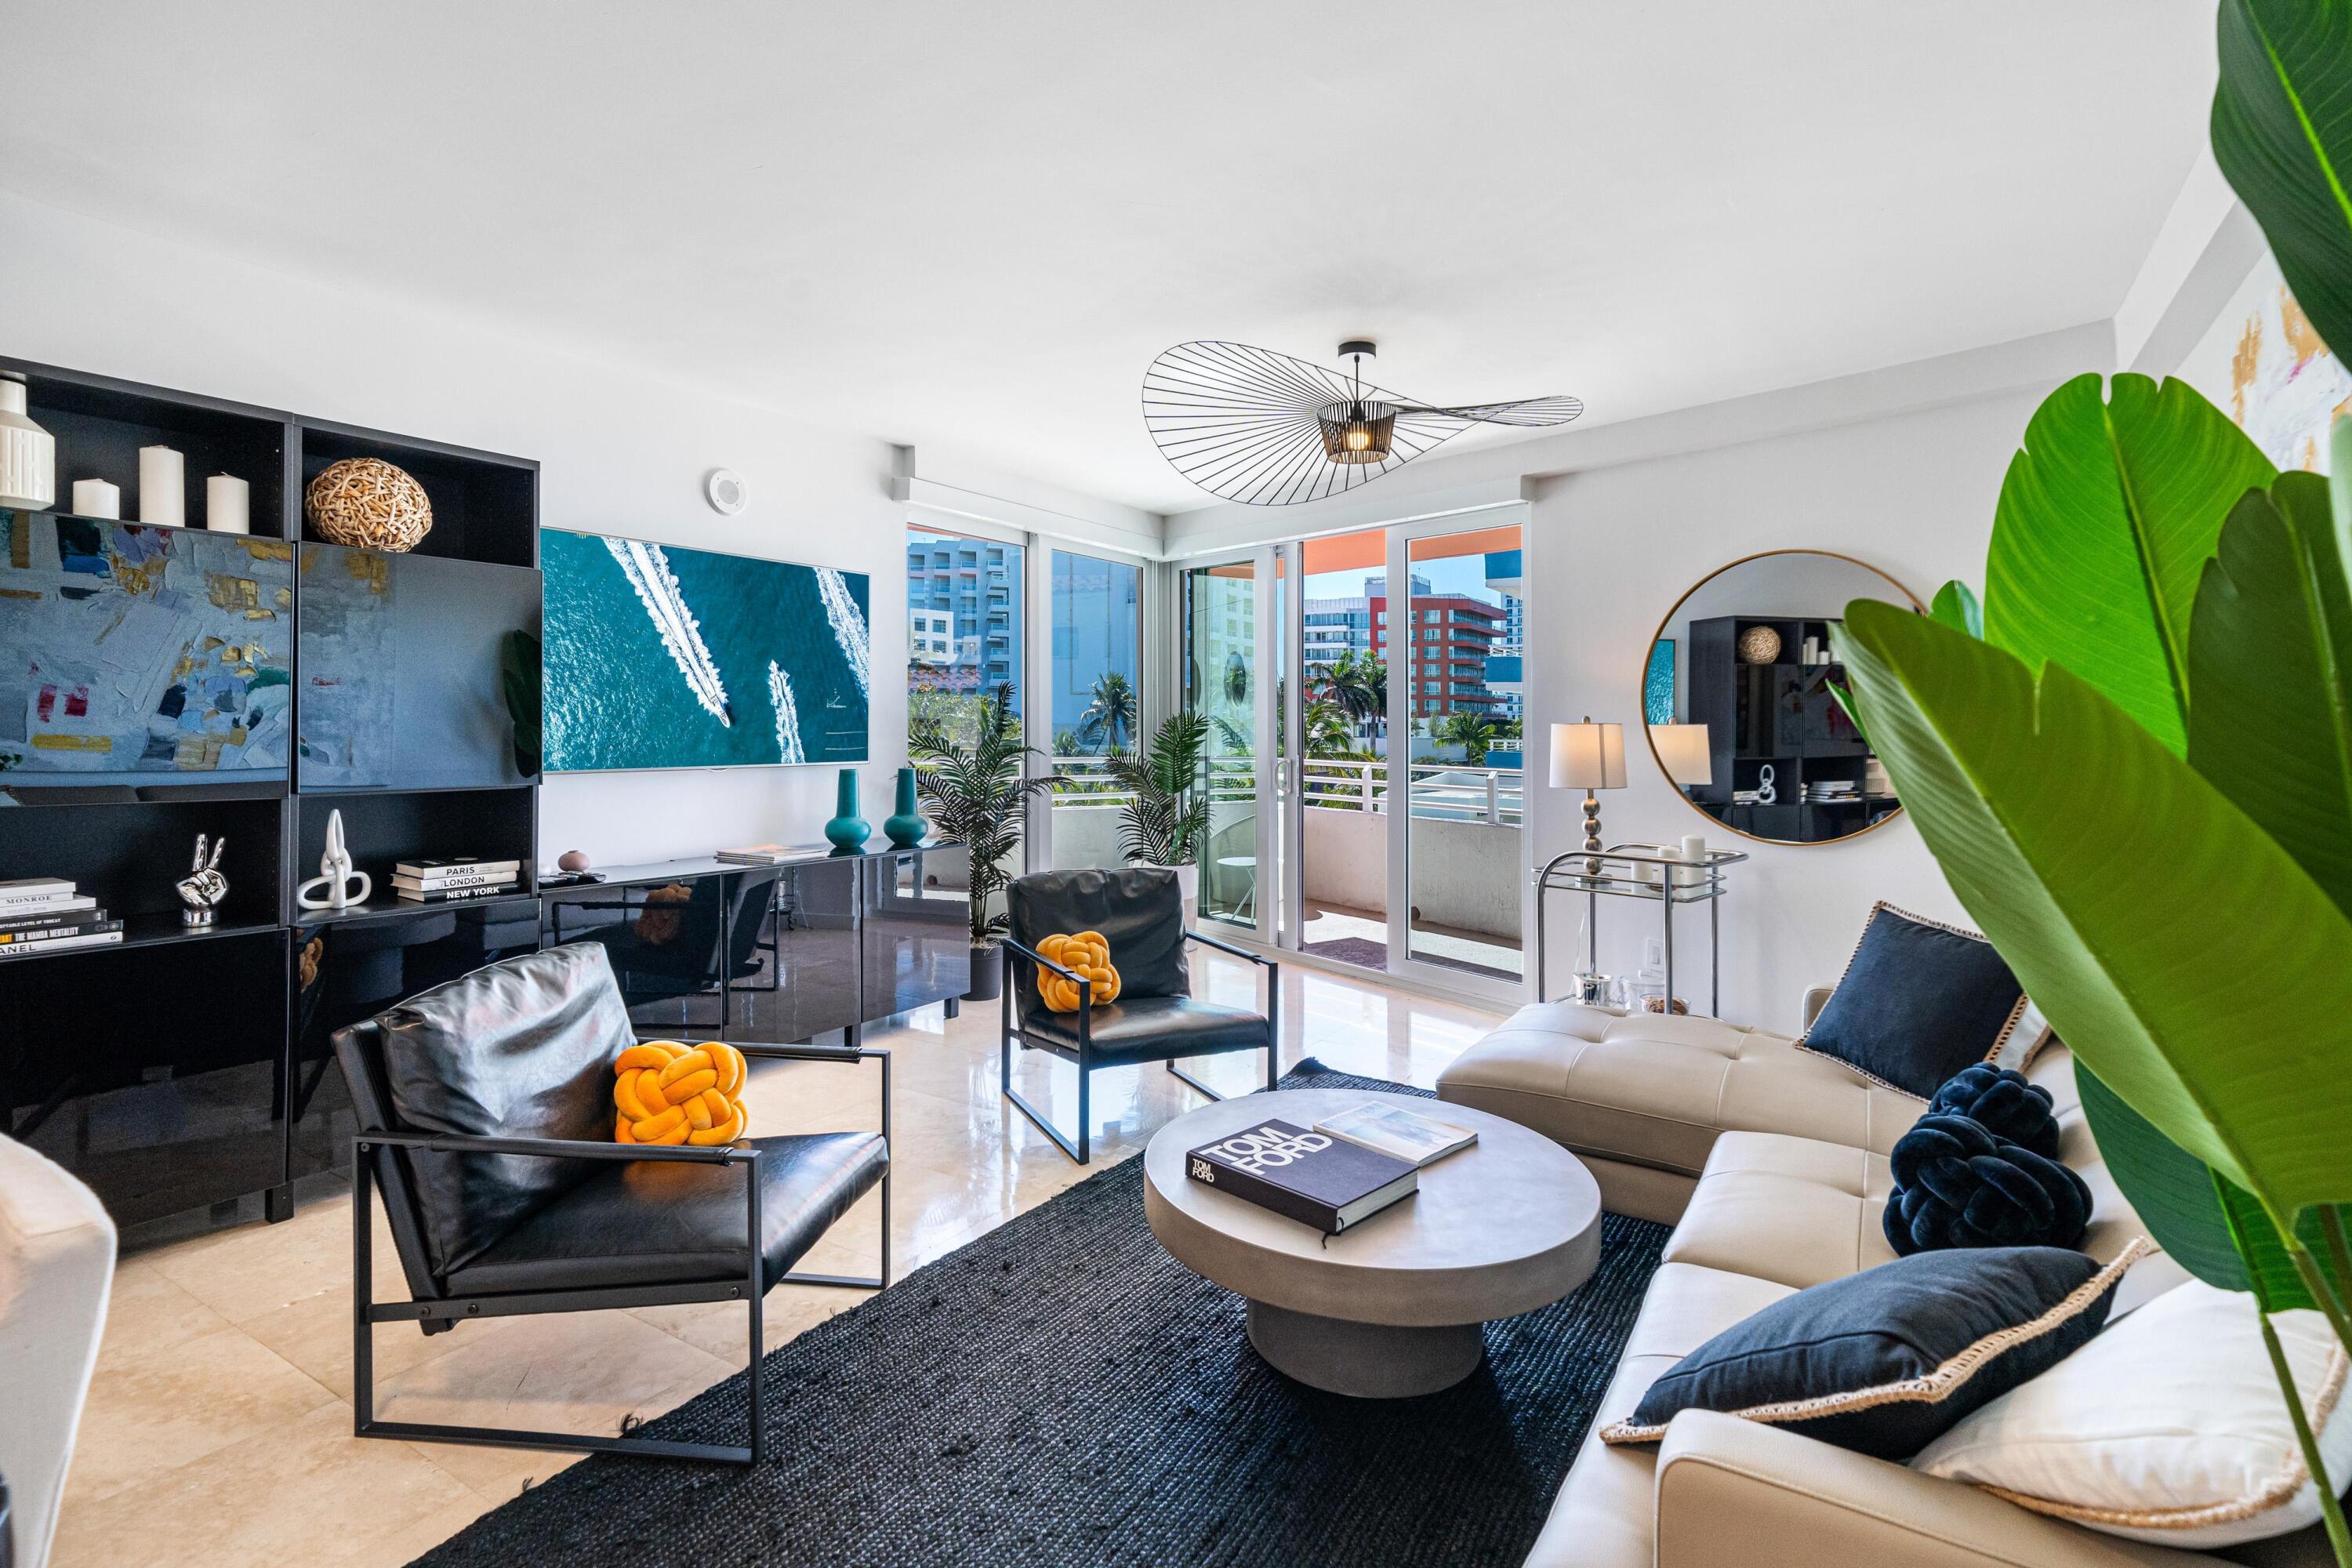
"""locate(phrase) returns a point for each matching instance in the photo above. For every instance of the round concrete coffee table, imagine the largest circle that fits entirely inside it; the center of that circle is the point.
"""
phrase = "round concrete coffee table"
(1393, 1306)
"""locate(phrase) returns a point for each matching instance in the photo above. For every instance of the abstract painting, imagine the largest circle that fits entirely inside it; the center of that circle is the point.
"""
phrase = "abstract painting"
(142, 652)
(2286, 385)
(661, 656)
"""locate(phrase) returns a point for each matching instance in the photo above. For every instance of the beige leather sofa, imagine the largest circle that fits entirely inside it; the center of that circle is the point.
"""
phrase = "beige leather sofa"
(1771, 1163)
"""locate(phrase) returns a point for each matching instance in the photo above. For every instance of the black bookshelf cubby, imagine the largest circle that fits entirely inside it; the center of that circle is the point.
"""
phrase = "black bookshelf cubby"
(1780, 715)
(99, 424)
(130, 853)
(485, 505)
(158, 1120)
(382, 828)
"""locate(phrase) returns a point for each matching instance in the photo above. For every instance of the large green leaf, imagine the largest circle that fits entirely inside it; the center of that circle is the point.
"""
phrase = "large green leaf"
(1956, 606)
(2179, 1200)
(2270, 657)
(2186, 958)
(2106, 518)
(2282, 133)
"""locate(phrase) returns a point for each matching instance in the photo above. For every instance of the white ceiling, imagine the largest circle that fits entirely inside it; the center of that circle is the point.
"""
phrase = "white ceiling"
(973, 226)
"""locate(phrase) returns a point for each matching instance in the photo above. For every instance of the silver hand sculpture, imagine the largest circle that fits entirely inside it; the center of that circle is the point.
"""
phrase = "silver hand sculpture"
(203, 887)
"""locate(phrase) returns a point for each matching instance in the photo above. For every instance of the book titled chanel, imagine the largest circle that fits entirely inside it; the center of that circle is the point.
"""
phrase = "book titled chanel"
(1310, 1176)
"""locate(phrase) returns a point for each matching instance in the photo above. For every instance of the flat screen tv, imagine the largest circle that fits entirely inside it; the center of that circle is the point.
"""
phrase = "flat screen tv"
(136, 655)
(660, 657)
(406, 670)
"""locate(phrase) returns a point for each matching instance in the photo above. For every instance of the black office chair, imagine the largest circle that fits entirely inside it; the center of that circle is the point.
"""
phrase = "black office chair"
(1140, 912)
(486, 1111)
(704, 941)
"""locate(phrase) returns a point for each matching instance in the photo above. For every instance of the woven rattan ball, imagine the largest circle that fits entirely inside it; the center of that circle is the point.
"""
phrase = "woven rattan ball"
(1758, 644)
(367, 502)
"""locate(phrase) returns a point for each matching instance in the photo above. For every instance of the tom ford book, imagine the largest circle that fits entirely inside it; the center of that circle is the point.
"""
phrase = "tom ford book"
(1310, 1176)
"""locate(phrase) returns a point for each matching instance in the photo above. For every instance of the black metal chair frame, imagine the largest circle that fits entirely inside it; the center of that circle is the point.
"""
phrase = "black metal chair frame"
(1080, 1149)
(449, 1311)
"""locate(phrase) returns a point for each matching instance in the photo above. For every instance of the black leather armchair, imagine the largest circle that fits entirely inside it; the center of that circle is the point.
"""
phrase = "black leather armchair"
(486, 1113)
(1140, 912)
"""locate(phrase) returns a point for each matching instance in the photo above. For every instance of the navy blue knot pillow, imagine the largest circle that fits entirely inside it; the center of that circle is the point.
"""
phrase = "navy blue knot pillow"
(1957, 1185)
(2003, 1103)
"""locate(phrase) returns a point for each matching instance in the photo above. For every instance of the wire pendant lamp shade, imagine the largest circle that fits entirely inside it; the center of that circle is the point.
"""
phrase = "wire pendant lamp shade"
(1252, 426)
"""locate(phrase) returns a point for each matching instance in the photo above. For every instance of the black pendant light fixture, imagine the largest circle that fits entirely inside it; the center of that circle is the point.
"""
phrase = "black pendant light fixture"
(1252, 426)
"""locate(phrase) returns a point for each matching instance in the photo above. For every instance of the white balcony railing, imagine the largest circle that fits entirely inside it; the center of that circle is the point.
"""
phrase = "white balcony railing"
(1442, 792)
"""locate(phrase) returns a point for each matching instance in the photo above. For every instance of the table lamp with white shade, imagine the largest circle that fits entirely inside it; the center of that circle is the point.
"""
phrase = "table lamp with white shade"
(1684, 752)
(1588, 756)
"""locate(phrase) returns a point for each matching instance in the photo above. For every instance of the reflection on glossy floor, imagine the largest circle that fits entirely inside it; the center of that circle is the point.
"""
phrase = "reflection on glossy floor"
(218, 1427)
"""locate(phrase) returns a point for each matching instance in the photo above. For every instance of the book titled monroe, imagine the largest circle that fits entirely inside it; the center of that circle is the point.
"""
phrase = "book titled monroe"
(37, 892)
(1312, 1177)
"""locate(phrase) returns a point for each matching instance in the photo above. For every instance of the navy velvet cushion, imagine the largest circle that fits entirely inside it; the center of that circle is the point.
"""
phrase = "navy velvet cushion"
(1917, 1002)
(1957, 1185)
(1885, 1361)
(2004, 1104)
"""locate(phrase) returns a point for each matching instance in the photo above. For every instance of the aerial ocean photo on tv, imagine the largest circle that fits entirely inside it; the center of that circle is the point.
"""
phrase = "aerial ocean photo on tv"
(150, 654)
(659, 656)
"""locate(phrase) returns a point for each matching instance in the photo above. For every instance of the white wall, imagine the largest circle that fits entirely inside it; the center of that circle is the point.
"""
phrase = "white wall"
(1913, 495)
(619, 454)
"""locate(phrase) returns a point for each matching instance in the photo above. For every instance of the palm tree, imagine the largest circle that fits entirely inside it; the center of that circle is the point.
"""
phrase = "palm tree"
(1471, 731)
(1108, 721)
(1324, 725)
(1358, 685)
(976, 793)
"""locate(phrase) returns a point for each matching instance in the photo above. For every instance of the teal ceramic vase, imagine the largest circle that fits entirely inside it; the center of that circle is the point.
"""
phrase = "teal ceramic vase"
(906, 828)
(847, 830)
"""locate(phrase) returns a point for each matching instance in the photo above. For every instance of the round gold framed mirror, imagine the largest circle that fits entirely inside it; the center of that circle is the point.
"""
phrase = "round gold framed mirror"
(1740, 699)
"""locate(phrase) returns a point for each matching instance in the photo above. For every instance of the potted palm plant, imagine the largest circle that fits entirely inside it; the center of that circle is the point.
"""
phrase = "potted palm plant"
(977, 794)
(1165, 821)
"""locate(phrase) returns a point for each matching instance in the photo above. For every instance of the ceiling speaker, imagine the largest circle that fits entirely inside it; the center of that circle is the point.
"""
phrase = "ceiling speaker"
(725, 491)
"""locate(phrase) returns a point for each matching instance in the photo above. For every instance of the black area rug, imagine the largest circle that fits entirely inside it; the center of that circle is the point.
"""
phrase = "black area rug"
(1062, 1392)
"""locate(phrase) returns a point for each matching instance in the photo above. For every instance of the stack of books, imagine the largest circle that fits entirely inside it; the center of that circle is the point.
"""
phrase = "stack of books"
(44, 914)
(769, 854)
(1830, 791)
(454, 882)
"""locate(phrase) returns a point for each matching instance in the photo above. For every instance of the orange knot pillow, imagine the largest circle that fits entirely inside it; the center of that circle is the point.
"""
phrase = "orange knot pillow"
(1087, 953)
(673, 1093)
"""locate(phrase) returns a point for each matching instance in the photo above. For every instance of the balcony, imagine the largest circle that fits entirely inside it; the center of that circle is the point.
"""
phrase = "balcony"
(1466, 855)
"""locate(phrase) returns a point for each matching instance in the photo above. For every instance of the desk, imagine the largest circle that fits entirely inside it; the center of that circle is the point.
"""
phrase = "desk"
(830, 943)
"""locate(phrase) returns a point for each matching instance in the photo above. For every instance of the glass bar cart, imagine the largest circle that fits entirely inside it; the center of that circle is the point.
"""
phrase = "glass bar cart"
(1619, 872)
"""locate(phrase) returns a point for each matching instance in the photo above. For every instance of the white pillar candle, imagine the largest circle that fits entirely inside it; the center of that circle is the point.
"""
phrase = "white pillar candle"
(1694, 851)
(96, 498)
(227, 500)
(163, 487)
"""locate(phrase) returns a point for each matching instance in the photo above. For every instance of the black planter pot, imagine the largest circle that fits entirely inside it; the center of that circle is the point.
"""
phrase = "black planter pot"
(987, 974)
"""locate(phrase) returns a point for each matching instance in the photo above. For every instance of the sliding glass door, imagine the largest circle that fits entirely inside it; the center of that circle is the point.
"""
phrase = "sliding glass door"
(1457, 650)
(1227, 613)
(1367, 804)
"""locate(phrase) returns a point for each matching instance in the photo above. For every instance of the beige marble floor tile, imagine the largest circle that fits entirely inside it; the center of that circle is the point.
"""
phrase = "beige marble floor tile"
(145, 1311)
(567, 1371)
(315, 1334)
(397, 1548)
(152, 1411)
(303, 1491)
(257, 1268)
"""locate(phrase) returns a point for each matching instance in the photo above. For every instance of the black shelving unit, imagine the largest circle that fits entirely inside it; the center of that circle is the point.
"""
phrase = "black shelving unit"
(1780, 715)
(184, 1067)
